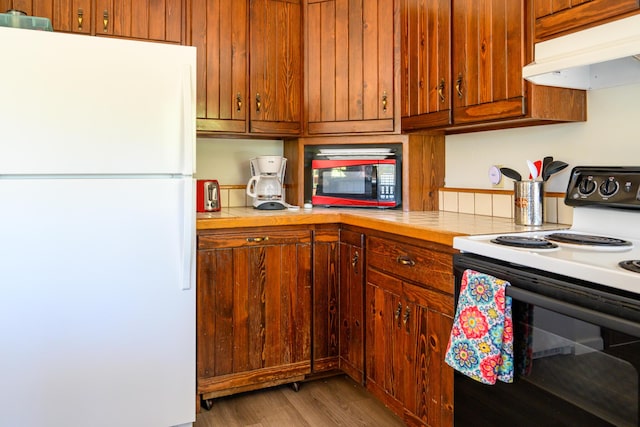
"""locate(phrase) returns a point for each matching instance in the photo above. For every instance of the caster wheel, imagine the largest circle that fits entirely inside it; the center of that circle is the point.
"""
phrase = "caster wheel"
(207, 404)
(295, 386)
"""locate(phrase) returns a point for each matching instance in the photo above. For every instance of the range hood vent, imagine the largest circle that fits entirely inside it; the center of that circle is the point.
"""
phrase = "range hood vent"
(604, 56)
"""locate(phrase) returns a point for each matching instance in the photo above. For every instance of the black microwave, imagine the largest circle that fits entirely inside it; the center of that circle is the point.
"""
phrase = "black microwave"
(356, 182)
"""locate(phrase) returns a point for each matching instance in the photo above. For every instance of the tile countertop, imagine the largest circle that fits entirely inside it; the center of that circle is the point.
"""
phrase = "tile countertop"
(434, 226)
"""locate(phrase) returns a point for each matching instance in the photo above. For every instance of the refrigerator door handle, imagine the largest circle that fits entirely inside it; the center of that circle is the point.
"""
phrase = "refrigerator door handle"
(188, 119)
(188, 234)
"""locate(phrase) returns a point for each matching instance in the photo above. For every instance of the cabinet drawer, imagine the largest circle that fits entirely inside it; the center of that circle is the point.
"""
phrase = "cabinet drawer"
(420, 265)
(252, 237)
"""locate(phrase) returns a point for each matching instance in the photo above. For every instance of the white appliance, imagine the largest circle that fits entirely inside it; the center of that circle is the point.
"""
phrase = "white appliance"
(576, 308)
(97, 231)
(595, 213)
(603, 56)
(267, 181)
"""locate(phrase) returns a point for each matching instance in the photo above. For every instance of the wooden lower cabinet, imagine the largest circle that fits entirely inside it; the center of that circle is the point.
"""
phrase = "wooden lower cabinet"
(280, 304)
(352, 304)
(326, 269)
(409, 305)
(253, 308)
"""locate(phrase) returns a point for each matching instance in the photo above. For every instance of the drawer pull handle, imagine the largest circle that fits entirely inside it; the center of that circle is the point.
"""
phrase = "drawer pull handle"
(384, 102)
(398, 311)
(403, 260)
(355, 259)
(407, 313)
(105, 21)
(257, 239)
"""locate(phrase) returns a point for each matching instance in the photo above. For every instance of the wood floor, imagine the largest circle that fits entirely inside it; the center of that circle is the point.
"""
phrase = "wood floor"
(335, 401)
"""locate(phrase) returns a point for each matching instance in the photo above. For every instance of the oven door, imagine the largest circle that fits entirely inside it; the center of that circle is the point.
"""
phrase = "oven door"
(576, 353)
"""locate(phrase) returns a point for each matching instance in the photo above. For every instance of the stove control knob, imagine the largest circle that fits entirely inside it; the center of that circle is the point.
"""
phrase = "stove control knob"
(609, 187)
(586, 186)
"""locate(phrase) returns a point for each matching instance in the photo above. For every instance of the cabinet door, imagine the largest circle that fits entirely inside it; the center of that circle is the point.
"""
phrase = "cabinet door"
(219, 33)
(140, 19)
(275, 66)
(427, 379)
(326, 268)
(488, 39)
(253, 310)
(352, 304)
(72, 16)
(426, 63)
(554, 17)
(350, 66)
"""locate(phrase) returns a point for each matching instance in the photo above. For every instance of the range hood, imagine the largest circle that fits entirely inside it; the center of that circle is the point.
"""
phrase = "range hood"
(604, 56)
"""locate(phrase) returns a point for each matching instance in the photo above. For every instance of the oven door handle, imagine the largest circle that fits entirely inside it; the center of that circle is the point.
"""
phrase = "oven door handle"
(571, 310)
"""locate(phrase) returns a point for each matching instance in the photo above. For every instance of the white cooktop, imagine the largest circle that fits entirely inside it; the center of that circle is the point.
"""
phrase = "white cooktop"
(590, 264)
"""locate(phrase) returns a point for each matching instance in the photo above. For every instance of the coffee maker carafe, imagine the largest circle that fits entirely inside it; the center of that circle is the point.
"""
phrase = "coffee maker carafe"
(265, 185)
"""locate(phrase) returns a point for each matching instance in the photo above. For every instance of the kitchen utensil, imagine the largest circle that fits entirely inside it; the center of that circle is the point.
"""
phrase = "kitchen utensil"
(553, 167)
(533, 171)
(545, 164)
(510, 173)
(538, 165)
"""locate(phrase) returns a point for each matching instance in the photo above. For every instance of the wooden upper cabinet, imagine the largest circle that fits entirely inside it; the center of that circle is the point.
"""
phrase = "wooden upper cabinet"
(426, 63)
(488, 55)
(160, 20)
(275, 28)
(350, 60)
(557, 17)
(479, 86)
(219, 33)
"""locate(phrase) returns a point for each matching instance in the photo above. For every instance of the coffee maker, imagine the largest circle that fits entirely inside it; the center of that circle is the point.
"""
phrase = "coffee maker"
(266, 183)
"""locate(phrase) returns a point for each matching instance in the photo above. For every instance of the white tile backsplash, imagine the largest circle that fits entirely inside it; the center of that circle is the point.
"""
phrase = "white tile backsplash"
(500, 203)
(466, 203)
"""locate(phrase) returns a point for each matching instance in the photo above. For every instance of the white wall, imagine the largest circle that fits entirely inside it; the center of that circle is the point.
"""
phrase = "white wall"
(610, 137)
(227, 160)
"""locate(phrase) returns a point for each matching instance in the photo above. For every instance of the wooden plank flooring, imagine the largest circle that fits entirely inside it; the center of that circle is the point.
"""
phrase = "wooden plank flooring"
(335, 401)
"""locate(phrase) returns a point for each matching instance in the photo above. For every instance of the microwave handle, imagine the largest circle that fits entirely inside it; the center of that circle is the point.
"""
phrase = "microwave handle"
(374, 182)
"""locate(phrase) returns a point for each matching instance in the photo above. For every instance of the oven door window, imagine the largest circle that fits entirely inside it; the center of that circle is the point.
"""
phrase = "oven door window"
(568, 372)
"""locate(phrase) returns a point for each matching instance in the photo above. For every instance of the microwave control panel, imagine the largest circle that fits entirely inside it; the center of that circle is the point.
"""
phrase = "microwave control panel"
(386, 183)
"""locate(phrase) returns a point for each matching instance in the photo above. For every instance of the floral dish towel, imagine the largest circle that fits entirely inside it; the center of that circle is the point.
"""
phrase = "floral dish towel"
(481, 341)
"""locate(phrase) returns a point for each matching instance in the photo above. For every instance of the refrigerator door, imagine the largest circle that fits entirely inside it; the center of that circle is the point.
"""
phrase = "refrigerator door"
(73, 104)
(97, 302)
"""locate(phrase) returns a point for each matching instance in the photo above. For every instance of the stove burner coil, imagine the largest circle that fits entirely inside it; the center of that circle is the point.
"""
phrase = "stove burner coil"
(524, 242)
(631, 265)
(587, 240)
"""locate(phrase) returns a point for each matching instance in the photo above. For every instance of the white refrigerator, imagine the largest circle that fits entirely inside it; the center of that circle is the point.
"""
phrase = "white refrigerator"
(97, 231)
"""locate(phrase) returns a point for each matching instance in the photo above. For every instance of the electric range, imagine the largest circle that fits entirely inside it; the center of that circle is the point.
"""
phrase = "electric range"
(606, 211)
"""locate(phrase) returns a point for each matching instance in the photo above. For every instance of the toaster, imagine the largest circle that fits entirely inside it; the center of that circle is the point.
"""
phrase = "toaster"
(208, 195)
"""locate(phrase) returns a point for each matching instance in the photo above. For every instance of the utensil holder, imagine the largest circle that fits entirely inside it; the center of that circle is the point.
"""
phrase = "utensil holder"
(529, 202)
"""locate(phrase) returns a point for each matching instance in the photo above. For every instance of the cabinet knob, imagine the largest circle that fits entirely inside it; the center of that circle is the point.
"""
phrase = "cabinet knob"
(238, 102)
(405, 260)
(257, 239)
(384, 101)
(396, 316)
(407, 314)
(80, 19)
(459, 85)
(258, 103)
(355, 259)
(441, 90)
(105, 21)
